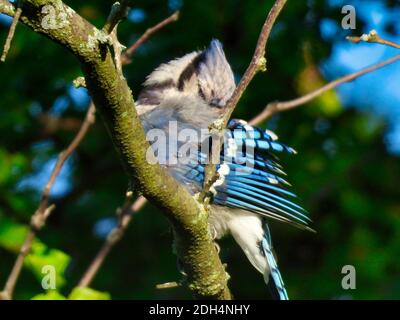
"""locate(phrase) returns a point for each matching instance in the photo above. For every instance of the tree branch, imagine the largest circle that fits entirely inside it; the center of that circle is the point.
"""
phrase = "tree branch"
(111, 240)
(148, 33)
(7, 8)
(258, 63)
(39, 218)
(373, 37)
(119, 11)
(10, 35)
(275, 107)
(110, 92)
(124, 217)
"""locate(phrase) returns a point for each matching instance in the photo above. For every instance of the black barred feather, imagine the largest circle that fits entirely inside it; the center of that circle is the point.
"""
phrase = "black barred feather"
(253, 178)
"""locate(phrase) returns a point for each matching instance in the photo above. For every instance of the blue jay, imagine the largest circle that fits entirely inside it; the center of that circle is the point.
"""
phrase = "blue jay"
(191, 93)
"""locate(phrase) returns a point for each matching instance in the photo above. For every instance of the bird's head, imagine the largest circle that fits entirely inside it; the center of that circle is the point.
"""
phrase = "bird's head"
(204, 75)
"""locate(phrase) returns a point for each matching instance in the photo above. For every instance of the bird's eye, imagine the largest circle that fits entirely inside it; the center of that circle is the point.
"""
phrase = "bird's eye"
(216, 103)
(201, 94)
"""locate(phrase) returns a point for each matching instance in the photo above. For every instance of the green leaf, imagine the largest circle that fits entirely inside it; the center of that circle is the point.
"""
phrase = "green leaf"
(49, 295)
(85, 293)
(329, 104)
(10, 165)
(41, 256)
(12, 235)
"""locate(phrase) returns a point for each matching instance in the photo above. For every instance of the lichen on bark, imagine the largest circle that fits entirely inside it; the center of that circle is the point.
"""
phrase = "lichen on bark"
(206, 276)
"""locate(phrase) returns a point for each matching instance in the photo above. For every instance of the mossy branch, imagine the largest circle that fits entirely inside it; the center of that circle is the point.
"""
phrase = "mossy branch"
(114, 101)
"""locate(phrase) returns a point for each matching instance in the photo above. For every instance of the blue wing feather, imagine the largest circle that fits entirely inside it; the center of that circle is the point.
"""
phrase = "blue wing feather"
(254, 181)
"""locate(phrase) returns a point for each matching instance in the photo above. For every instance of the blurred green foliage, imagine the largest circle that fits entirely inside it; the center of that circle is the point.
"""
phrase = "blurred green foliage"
(343, 173)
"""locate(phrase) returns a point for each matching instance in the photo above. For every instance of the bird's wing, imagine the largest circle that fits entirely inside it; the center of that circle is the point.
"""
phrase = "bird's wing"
(250, 176)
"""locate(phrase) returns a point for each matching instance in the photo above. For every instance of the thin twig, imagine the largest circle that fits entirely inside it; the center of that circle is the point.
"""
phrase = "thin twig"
(124, 217)
(275, 107)
(168, 285)
(44, 210)
(258, 63)
(8, 290)
(125, 58)
(64, 155)
(119, 11)
(10, 35)
(148, 33)
(373, 37)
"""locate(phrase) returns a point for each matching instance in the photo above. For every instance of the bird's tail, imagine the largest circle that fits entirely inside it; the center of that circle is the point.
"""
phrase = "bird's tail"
(255, 240)
(273, 278)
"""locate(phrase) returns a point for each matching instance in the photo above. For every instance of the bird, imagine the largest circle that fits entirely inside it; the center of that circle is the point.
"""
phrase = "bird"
(180, 99)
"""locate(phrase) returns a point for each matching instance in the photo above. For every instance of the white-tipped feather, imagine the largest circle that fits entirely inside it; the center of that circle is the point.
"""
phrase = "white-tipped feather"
(271, 134)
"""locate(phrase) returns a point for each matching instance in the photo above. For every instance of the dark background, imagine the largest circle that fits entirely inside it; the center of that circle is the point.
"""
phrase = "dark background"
(347, 171)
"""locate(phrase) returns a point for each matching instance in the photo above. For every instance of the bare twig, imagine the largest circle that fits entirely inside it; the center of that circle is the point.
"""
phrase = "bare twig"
(275, 107)
(50, 124)
(119, 11)
(148, 33)
(373, 37)
(168, 285)
(125, 58)
(8, 290)
(11, 33)
(124, 217)
(208, 183)
(44, 210)
(258, 63)
(64, 155)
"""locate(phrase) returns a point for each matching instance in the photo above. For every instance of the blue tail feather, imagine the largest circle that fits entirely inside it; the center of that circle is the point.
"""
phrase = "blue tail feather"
(274, 275)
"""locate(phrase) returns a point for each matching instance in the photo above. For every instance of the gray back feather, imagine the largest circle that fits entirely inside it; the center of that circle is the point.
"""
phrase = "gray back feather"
(191, 91)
